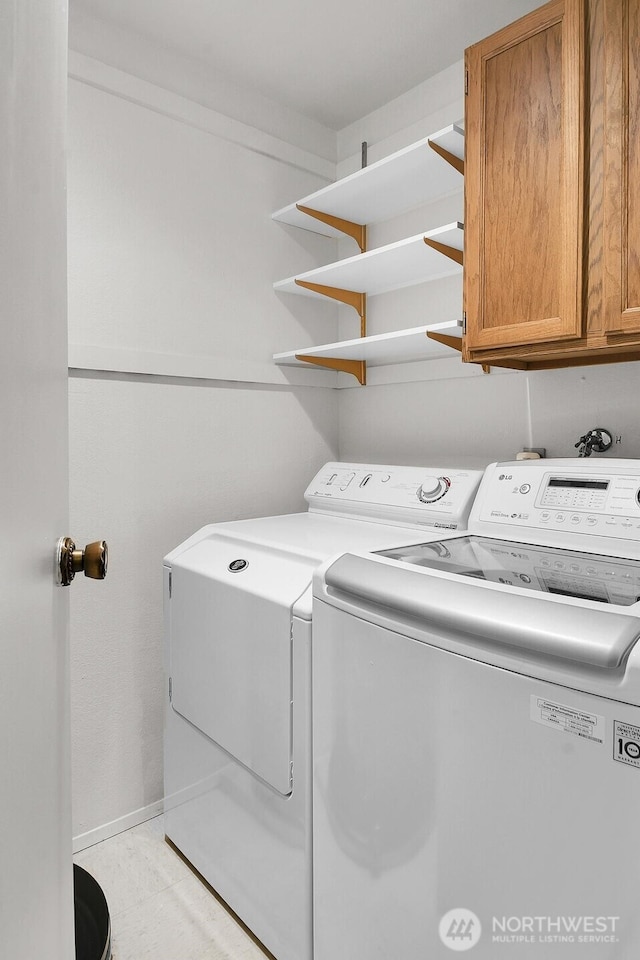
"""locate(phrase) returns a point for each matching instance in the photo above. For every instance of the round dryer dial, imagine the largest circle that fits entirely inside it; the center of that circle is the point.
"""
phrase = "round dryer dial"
(432, 489)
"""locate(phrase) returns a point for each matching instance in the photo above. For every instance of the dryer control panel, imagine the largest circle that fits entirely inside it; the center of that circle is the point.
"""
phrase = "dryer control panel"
(595, 498)
(436, 496)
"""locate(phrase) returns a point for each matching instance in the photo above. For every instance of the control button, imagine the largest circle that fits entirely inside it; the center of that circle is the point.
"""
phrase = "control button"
(592, 521)
(560, 518)
(545, 516)
(611, 521)
(592, 571)
(627, 524)
(432, 489)
(386, 478)
(559, 565)
(545, 563)
(575, 518)
(525, 487)
(430, 485)
(574, 567)
(525, 578)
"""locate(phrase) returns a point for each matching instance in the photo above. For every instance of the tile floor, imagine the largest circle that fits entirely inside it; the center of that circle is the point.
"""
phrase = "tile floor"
(159, 909)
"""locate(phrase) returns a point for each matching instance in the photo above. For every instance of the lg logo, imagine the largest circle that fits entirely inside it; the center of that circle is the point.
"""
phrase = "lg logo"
(505, 476)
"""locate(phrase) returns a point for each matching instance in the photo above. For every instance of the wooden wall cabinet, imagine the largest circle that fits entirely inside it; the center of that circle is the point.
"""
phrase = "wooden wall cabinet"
(524, 134)
(622, 167)
(552, 209)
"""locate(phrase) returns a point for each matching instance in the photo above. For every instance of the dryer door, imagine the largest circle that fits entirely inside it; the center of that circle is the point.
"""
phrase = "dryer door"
(230, 649)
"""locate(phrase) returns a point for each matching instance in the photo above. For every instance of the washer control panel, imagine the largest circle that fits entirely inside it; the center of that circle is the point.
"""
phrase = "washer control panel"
(440, 497)
(575, 493)
(578, 496)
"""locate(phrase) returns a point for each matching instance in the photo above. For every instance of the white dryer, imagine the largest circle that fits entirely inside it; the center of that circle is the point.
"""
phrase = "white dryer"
(476, 710)
(238, 617)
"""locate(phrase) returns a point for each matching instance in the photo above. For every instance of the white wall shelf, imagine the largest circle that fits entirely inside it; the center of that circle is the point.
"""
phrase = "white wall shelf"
(400, 346)
(403, 180)
(422, 172)
(401, 264)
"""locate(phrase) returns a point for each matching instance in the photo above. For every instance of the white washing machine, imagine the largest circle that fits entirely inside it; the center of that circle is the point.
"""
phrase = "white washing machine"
(476, 714)
(238, 656)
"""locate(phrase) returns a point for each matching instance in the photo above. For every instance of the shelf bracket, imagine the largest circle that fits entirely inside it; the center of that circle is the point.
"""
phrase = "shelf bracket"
(446, 339)
(452, 252)
(451, 158)
(353, 299)
(357, 368)
(356, 230)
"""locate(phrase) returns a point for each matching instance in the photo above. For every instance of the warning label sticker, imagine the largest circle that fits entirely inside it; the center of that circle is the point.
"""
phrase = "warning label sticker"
(626, 743)
(579, 723)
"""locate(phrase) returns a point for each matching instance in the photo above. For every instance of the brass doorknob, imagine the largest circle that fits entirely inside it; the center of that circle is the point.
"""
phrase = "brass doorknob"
(92, 560)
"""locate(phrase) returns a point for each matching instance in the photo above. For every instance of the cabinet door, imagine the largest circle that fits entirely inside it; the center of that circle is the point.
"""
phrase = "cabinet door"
(524, 191)
(622, 172)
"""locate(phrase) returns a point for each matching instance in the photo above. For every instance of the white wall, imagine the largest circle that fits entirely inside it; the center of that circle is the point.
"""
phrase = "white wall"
(172, 248)
(172, 254)
(453, 413)
(196, 80)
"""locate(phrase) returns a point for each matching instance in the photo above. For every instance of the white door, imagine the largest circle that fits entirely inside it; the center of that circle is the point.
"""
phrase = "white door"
(36, 892)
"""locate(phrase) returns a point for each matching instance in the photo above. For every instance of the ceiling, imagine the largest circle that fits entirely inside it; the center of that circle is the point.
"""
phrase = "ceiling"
(332, 60)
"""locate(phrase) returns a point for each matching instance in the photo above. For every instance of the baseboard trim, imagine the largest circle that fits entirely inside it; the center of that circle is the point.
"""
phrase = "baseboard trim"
(88, 839)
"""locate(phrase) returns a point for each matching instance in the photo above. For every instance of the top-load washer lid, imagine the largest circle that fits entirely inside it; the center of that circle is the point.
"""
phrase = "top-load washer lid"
(230, 628)
(554, 570)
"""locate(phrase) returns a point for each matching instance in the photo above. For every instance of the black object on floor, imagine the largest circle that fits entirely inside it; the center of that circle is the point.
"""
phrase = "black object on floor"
(93, 926)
